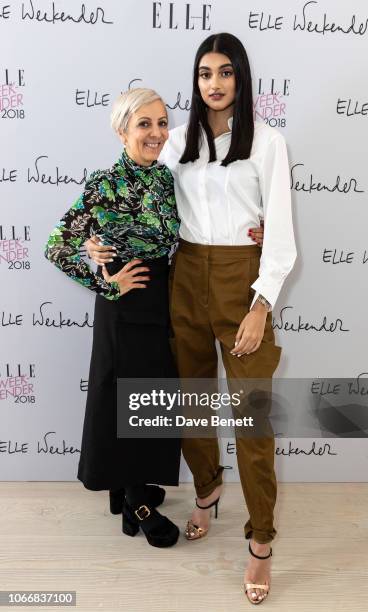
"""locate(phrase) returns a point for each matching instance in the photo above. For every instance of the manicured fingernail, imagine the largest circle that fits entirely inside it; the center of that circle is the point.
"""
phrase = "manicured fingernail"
(111, 260)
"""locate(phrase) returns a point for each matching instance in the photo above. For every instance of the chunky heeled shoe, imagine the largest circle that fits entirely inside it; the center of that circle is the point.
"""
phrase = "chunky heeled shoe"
(155, 496)
(249, 585)
(192, 531)
(158, 529)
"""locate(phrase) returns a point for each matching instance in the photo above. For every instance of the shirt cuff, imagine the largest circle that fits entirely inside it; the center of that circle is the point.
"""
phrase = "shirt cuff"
(270, 292)
(256, 298)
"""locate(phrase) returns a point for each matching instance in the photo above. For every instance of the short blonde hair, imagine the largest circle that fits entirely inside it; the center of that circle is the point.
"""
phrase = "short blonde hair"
(128, 103)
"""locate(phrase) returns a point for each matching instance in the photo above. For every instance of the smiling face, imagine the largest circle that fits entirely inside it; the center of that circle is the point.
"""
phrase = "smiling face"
(146, 133)
(216, 81)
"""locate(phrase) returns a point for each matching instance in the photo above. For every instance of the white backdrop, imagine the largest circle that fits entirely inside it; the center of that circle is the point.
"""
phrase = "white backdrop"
(61, 66)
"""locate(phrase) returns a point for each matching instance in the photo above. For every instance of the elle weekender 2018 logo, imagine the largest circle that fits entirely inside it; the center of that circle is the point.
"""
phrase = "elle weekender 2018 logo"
(270, 101)
(11, 94)
(14, 247)
(17, 383)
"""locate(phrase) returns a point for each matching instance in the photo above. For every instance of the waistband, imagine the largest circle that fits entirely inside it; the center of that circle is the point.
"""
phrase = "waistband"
(159, 265)
(219, 252)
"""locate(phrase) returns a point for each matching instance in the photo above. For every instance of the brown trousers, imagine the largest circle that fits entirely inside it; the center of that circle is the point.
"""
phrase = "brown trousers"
(210, 294)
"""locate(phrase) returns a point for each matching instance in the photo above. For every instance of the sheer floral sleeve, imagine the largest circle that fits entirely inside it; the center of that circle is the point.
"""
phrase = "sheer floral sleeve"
(80, 222)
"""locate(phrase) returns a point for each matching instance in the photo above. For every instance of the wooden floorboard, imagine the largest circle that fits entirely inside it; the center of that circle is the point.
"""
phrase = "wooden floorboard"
(59, 536)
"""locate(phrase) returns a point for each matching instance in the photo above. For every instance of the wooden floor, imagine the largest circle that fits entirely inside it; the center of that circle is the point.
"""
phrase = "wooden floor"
(60, 536)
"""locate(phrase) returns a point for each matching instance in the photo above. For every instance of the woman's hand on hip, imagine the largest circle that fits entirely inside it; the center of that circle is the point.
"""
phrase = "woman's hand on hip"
(256, 233)
(98, 253)
(251, 331)
(127, 278)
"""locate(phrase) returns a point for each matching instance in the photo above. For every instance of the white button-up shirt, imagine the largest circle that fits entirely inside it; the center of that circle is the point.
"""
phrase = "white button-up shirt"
(217, 205)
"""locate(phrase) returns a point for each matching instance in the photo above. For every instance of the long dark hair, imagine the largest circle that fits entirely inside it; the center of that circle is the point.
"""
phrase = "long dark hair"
(243, 123)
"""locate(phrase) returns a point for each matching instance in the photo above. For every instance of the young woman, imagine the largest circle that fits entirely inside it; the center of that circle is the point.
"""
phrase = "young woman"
(229, 172)
(133, 206)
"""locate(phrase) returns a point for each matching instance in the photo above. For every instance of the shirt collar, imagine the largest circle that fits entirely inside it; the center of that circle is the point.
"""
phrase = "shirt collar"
(229, 123)
(127, 161)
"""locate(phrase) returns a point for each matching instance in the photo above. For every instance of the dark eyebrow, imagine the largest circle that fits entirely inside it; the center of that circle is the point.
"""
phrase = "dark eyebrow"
(223, 66)
(149, 118)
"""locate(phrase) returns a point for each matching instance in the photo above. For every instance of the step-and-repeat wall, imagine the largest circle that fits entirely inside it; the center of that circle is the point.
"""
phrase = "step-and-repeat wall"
(62, 64)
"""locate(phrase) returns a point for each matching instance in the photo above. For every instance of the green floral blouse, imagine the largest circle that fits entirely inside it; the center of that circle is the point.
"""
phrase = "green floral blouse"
(131, 207)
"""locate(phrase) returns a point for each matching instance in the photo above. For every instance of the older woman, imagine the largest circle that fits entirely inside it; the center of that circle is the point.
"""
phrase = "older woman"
(133, 206)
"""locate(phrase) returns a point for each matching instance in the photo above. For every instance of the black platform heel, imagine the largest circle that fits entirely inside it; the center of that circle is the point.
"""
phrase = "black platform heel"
(129, 526)
(116, 500)
(155, 496)
(158, 529)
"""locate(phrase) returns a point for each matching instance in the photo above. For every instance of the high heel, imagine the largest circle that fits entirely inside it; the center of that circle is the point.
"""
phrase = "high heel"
(155, 496)
(116, 500)
(158, 529)
(264, 587)
(129, 527)
(194, 532)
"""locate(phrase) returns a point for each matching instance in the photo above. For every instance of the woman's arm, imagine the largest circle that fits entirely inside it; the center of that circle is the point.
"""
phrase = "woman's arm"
(279, 250)
(83, 219)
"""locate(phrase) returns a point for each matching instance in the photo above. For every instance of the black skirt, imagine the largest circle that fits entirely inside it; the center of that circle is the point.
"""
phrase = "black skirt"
(130, 340)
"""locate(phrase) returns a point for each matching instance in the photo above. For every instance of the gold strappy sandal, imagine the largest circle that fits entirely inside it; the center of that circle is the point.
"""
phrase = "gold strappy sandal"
(192, 531)
(249, 585)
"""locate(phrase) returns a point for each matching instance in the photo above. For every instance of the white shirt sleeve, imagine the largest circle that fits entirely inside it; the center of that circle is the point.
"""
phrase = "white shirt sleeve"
(278, 250)
(173, 148)
(163, 157)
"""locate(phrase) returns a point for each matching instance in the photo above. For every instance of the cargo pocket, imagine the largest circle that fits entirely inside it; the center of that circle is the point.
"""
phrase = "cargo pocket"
(263, 362)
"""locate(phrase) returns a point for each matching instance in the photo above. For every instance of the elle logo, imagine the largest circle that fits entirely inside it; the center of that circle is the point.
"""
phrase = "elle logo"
(167, 15)
(14, 78)
(13, 233)
(15, 370)
(273, 86)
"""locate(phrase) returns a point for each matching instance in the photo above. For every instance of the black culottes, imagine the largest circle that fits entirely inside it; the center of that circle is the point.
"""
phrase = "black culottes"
(130, 340)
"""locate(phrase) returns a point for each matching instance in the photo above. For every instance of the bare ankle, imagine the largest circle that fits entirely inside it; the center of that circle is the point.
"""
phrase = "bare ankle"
(253, 541)
(215, 493)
